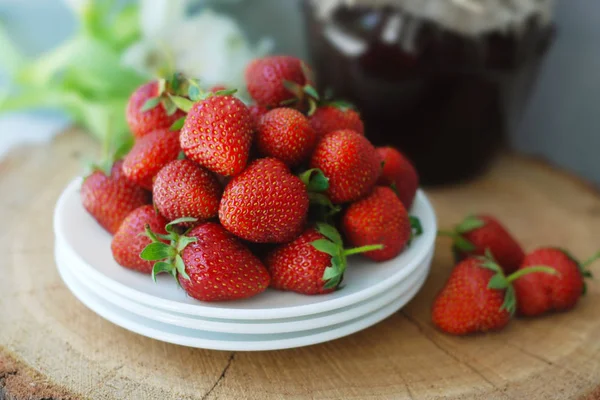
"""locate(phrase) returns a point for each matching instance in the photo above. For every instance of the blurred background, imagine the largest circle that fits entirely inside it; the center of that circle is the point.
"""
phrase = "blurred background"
(450, 87)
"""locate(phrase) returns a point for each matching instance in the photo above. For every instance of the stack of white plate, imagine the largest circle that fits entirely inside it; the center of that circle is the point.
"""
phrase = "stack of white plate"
(272, 320)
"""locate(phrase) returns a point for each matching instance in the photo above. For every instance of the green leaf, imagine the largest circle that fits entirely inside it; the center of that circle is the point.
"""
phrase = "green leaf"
(326, 246)
(156, 251)
(150, 104)
(416, 226)
(184, 241)
(177, 125)
(463, 244)
(180, 265)
(182, 103)
(227, 92)
(294, 88)
(311, 91)
(169, 105)
(470, 224)
(330, 233)
(194, 93)
(171, 225)
(161, 267)
(510, 300)
(491, 265)
(330, 273)
(342, 105)
(498, 282)
(312, 107)
(315, 180)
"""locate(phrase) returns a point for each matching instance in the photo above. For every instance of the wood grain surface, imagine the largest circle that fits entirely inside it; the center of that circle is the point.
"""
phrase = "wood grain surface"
(52, 347)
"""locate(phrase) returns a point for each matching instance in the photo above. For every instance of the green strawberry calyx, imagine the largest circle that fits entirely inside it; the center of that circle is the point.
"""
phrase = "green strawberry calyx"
(168, 256)
(316, 184)
(301, 93)
(333, 245)
(499, 281)
(416, 229)
(176, 85)
(469, 224)
(180, 93)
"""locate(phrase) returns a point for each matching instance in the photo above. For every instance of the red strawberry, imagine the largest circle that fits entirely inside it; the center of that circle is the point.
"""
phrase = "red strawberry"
(109, 199)
(350, 162)
(149, 155)
(217, 134)
(540, 293)
(399, 173)
(285, 133)
(314, 263)
(327, 119)
(209, 263)
(476, 234)
(184, 189)
(257, 112)
(265, 78)
(478, 297)
(265, 203)
(379, 218)
(143, 122)
(127, 244)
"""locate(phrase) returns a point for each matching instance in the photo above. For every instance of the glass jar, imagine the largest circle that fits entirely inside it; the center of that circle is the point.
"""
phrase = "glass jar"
(442, 80)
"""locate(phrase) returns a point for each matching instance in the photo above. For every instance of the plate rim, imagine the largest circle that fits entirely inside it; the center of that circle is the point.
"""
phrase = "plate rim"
(345, 329)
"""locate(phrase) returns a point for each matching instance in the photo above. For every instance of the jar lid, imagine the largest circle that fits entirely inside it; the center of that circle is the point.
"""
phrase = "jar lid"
(470, 17)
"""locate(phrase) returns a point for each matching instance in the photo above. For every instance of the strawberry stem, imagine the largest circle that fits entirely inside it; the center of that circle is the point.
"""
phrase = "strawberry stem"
(529, 270)
(591, 260)
(363, 249)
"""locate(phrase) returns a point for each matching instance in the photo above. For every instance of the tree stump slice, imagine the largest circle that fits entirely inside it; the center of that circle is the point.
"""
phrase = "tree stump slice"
(53, 347)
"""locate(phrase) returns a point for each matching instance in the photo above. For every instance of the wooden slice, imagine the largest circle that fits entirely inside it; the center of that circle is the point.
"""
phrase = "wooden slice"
(52, 347)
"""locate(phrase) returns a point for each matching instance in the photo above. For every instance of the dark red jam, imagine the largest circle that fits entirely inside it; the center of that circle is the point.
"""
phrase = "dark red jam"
(446, 99)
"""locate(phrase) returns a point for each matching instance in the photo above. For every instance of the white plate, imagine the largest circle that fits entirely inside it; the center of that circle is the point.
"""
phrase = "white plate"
(90, 246)
(224, 341)
(243, 326)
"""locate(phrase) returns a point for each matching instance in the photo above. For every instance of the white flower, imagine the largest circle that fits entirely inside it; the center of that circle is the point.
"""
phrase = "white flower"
(208, 46)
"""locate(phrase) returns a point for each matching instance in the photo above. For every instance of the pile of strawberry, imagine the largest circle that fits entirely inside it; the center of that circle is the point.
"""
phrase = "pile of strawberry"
(230, 199)
(495, 279)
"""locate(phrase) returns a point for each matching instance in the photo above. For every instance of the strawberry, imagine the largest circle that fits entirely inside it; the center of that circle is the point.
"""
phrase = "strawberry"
(184, 189)
(266, 80)
(149, 155)
(541, 293)
(146, 113)
(257, 112)
(209, 263)
(379, 218)
(127, 244)
(350, 162)
(399, 173)
(478, 297)
(476, 234)
(331, 118)
(314, 263)
(285, 133)
(217, 134)
(265, 203)
(110, 198)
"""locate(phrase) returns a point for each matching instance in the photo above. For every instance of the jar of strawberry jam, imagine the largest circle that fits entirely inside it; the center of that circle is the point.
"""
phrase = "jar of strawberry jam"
(442, 80)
